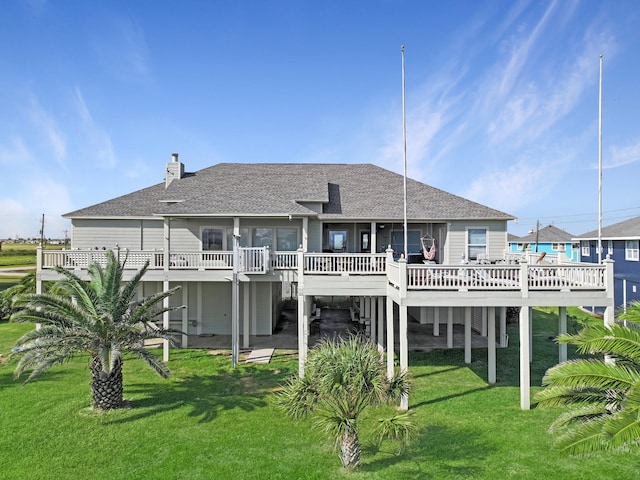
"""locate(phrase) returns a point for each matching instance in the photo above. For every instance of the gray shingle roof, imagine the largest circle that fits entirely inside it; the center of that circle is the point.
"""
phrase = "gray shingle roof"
(347, 191)
(548, 234)
(626, 229)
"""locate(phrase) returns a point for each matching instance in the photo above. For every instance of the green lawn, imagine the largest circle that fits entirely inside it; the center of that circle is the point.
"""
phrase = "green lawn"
(211, 422)
(21, 255)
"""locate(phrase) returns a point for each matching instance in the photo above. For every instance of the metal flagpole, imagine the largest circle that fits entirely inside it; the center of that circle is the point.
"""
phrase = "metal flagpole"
(404, 151)
(600, 167)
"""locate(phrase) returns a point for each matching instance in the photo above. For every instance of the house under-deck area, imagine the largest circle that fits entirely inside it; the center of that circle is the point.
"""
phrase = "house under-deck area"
(401, 306)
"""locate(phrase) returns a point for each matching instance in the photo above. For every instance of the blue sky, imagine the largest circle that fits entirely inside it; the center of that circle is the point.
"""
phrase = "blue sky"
(501, 98)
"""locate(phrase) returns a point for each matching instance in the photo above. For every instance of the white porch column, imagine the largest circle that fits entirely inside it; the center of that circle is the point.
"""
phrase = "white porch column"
(246, 331)
(530, 334)
(562, 328)
(303, 319)
(303, 339)
(491, 344)
(381, 323)
(449, 327)
(373, 319)
(305, 233)
(165, 321)
(608, 321)
(503, 327)
(525, 373)
(199, 314)
(404, 351)
(373, 238)
(185, 315)
(166, 244)
(436, 321)
(390, 344)
(467, 334)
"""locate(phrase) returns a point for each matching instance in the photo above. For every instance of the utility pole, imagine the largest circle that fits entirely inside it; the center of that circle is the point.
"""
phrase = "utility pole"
(42, 231)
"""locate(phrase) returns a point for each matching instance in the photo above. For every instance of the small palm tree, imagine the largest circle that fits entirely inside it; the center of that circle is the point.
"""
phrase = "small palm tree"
(101, 318)
(342, 377)
(603, 395)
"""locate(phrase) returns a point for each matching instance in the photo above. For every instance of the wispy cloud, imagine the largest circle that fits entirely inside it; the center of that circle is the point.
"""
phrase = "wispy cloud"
(20, 214)
(14, 152)
(122, 49)
(623, 155)
(48, 129)
(98, 140)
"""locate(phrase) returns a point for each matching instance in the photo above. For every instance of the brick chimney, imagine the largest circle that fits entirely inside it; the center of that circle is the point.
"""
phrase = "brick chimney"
(175, 170)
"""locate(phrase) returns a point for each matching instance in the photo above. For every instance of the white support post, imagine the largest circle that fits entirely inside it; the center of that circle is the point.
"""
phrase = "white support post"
(303, 319)
(165, 322)
(562, 329)
(436, 321)
(199, 314)
(491, 345)
(404, 352)
(303, 339)
(525, 372)
(467, 334)
(373, 319)
(185, 315)
(246, 331)
(381, 323)
(390, 340)
(530, 334)
(503, 327)
(374, 238)
(449, 327)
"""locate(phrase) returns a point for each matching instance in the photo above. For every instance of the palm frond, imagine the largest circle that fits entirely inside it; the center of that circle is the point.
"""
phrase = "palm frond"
(152, 360)
(591, 373)
(584, 438)
(401, 427)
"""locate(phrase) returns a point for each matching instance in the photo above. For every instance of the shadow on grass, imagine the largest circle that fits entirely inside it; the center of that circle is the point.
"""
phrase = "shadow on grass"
(7, 379)
(443, 452)
(449, 397)
(207, 394)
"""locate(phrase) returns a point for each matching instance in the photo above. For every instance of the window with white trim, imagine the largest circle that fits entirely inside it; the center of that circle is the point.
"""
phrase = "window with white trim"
(631, 250)
(585, 251)
(476, 243)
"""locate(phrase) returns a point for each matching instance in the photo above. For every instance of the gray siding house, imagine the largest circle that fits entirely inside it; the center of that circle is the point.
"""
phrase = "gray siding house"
(244, 239)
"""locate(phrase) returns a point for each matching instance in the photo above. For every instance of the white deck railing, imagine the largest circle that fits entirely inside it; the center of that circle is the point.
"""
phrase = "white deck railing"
(507, 277)
(418, 276)
(347, 263)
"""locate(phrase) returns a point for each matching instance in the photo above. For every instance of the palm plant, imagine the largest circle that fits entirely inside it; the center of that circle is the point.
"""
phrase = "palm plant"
(101, 318)
(603, 393)
(342, 377)
(27, 284)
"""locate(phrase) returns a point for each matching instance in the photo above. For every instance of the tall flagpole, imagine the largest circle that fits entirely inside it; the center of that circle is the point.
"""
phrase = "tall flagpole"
(600, 167)
(404, 152)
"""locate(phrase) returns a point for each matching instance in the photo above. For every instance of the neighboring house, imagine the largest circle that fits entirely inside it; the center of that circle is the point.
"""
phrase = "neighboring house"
(620, 243)
(242, 239)
(551, 240)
